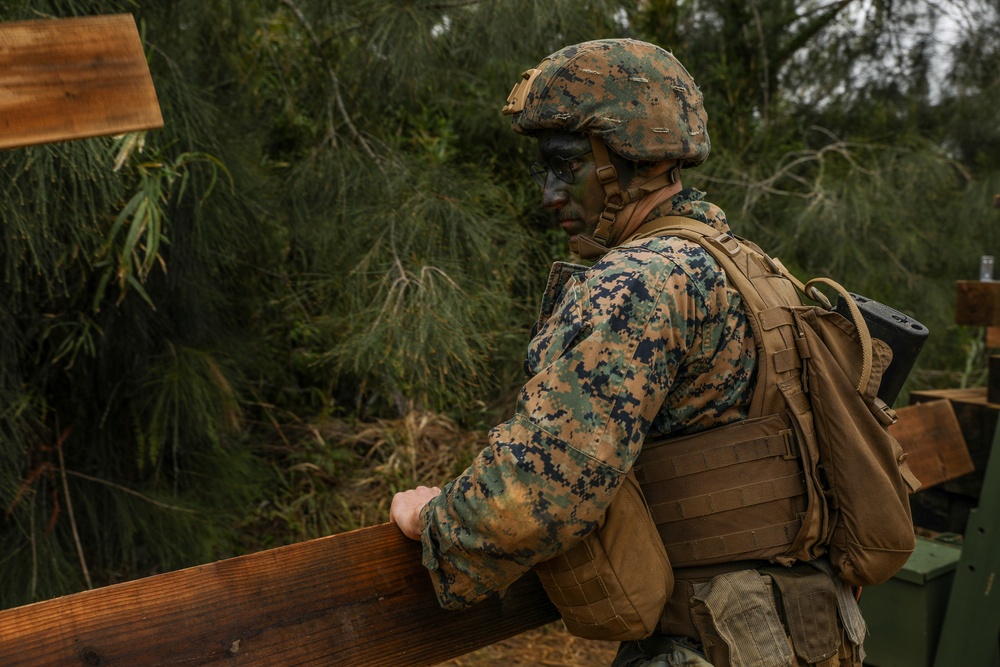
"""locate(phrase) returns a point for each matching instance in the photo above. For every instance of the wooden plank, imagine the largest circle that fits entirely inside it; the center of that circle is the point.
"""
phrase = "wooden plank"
(356, 599)
(977, 303)
(973, 396)
(945, 508)
(932, 439)
(978, 419)
(73, 78)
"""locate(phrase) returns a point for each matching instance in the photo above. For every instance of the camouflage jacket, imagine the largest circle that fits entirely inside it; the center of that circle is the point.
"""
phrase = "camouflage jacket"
(649, 340)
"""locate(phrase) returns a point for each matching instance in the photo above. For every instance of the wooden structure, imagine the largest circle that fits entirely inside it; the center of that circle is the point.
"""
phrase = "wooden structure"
(73, 78)
(977, 303)
(970, 634)
(361, 598)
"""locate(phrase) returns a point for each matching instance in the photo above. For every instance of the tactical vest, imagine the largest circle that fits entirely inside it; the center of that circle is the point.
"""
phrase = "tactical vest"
(768, 487)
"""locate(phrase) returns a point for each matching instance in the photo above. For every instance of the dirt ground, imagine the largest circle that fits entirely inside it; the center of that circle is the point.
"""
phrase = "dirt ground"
(548, 646)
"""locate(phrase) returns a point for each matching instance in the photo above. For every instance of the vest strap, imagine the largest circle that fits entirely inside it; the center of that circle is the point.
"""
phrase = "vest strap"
(758, 493)
(729, 546)
(666, 466)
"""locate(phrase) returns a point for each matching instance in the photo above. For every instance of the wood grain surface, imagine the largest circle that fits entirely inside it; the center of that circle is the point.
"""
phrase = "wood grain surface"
(932, 438)
(358, 598)
(73, 78)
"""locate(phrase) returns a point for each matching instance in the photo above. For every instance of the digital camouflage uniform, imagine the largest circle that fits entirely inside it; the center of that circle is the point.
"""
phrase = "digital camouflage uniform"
(650, 339)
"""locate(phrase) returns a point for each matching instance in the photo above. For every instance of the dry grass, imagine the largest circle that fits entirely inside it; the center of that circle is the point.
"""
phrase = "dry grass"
(548, 646)
(339, 475)
(420, 448)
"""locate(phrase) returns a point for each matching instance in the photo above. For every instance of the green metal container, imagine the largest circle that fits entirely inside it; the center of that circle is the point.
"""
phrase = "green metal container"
(904, 615)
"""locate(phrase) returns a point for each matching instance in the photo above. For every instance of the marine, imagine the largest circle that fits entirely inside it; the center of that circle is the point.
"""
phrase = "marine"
(650, 341)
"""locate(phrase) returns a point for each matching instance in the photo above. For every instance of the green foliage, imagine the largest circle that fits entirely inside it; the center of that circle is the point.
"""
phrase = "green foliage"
(392, 297)
(120, 443)
(844, 144)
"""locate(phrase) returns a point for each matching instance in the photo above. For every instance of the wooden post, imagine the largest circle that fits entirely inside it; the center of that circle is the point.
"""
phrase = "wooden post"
(361, 598)
(73, 78)
(977, 303)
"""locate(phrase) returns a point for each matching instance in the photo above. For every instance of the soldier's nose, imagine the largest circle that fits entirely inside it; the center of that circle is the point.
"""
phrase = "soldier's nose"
(554, 193)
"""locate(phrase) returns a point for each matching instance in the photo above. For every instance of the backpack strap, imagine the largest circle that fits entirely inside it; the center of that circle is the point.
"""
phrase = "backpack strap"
(863, 334)
(765, 293)
(729, 246)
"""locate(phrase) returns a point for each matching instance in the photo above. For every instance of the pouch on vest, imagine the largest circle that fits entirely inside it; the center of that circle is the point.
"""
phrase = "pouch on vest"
(808, 598)
(777, 617)
(738, 621)
(614, 583)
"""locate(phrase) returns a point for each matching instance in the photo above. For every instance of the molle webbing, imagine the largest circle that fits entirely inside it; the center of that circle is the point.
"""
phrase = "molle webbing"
(740, 491)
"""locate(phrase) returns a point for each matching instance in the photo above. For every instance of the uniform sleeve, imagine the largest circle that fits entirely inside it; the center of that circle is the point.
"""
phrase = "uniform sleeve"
(601, 369)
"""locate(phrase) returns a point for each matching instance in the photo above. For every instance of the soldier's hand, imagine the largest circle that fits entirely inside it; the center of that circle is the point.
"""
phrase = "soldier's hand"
(406, 506)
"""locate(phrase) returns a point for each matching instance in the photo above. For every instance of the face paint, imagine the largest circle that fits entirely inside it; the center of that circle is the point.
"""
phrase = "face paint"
(577, 205)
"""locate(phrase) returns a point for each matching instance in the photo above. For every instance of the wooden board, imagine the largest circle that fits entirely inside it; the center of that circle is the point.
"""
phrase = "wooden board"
(73, 78)
(945, 507)
(359, 598)
(932, 439)
(972, 396)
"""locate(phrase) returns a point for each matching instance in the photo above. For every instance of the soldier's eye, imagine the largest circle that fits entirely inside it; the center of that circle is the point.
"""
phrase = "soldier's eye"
(564, 168)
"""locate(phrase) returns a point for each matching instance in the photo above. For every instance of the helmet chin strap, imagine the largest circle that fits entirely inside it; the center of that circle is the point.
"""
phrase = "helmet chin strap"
(619, 204)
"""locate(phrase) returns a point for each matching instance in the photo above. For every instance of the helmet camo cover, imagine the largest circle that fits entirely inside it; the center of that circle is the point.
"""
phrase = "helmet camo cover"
(634, 95)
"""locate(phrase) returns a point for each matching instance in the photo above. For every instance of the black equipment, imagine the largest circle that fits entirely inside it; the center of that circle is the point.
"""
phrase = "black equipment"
(900, 332)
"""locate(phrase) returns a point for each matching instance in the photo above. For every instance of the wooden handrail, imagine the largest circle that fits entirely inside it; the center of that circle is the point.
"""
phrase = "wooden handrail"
(360, 598)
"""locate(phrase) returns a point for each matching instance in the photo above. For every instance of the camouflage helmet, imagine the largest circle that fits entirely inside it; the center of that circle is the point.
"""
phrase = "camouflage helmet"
(635, 96)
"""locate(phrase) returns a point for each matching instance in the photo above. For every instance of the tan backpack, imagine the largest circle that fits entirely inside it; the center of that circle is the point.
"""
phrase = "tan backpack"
(813, 470)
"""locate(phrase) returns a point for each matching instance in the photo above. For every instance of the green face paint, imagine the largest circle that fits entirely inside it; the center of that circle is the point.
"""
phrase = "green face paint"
(577, 204)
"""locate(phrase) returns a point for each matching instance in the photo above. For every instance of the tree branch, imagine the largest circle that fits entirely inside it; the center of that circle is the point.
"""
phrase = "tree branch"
(69, 508)
(799, 39)
(335, 81)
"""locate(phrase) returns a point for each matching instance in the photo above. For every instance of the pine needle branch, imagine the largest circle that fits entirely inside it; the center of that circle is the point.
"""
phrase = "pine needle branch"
(334, 80)
(69, 507)
(125, 489)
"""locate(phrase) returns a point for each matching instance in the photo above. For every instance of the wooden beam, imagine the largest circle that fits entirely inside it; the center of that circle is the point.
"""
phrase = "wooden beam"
(73, 78)
(356, 599)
